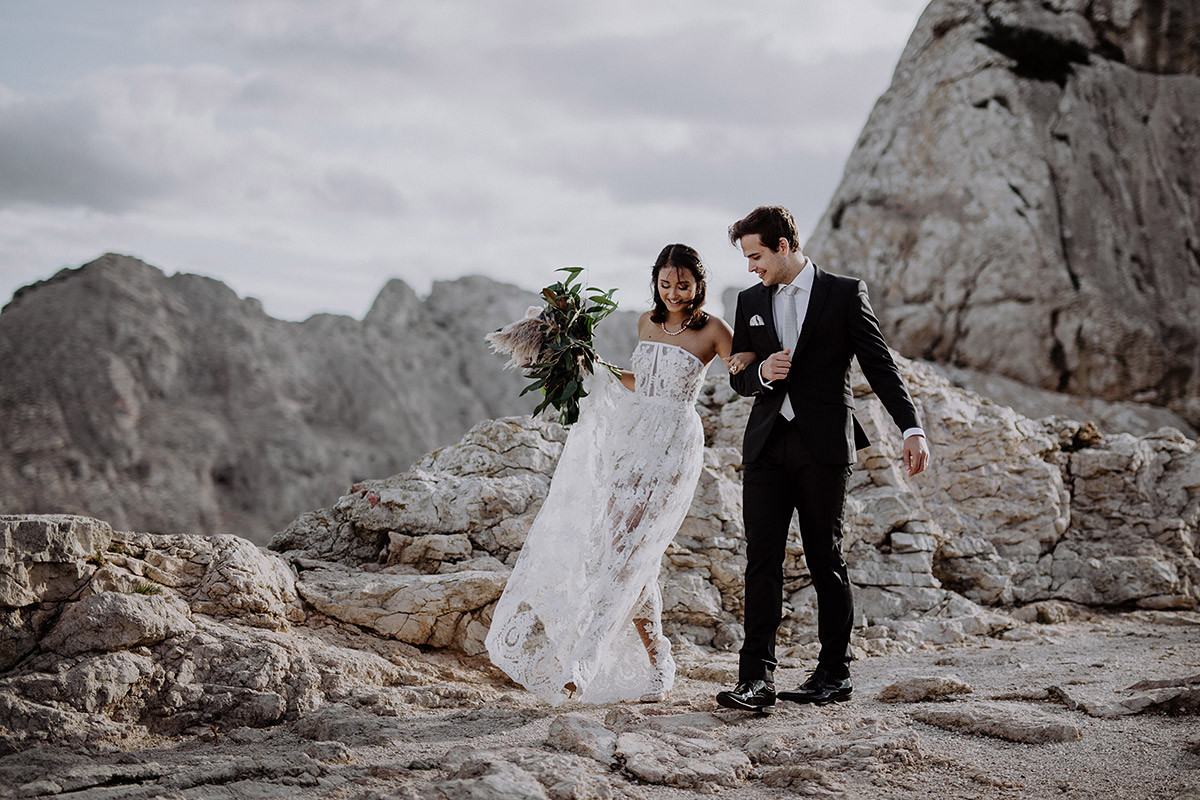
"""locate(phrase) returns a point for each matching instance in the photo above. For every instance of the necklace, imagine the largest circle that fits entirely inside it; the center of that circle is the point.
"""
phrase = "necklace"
(682, 328)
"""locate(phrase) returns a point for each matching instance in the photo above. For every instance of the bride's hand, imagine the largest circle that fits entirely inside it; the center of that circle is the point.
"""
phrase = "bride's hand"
(738, 361)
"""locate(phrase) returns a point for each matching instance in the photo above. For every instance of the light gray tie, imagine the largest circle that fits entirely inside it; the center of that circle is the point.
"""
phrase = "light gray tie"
(788, 334)
(787, 319)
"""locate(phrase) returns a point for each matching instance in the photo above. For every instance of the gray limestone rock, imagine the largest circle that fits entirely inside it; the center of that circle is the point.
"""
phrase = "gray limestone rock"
(684, 762)
(1117, 416)
(922, 688)
(112, 621)
(1001, 721)
(337, 723)
(1014, 511)
(329, 752)
(121, 634)
(487, 777)
(576, 734)
(435, 610)
(1050, 513)
(861, 743)
(810, 782)
(1022, 198)
(1172, 696)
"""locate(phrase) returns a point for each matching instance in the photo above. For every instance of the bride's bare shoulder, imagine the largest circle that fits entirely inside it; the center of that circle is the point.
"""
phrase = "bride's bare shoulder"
(715, 323)
(717, 327)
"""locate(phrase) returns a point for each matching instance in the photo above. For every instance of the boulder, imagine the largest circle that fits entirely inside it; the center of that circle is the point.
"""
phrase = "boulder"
(113, 621)
(1008, 722)
(922, 688)
(1021, 201)
(434, 610)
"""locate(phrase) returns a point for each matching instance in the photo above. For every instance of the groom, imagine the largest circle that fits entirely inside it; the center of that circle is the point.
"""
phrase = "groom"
(805, 325)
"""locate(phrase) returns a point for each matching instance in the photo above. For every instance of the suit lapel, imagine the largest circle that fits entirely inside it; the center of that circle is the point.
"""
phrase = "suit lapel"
(816, 299)
(768, 314)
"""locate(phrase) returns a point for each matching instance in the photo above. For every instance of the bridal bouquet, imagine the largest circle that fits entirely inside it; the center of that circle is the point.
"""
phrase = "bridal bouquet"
(553, 344)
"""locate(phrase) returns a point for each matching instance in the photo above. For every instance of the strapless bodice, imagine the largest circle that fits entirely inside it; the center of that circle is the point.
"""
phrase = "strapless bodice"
(667, 372)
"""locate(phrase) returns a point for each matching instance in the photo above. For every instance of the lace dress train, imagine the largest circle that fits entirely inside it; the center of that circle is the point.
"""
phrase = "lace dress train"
(582, 605)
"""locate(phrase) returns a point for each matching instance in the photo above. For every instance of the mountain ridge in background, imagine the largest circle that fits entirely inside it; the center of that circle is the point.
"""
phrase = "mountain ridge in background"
(171, 404)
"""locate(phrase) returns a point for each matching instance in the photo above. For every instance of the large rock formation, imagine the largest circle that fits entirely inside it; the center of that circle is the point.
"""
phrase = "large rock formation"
(108, 635)
(1115, 416)
(170, 404)
(1023, 198)
(1015, 512)
(352, 660)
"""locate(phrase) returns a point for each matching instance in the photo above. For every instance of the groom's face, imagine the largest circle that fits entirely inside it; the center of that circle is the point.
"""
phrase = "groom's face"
(771, 267)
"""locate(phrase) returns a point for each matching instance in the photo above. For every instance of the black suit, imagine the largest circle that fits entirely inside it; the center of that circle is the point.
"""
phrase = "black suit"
(802, 465)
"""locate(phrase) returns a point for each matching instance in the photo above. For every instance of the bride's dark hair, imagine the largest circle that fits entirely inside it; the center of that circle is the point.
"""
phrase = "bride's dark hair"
(680, 256)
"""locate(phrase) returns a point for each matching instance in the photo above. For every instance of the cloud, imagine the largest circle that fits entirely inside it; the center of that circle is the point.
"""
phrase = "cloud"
(306, 152)
(112, 141)
(58, 153)
(352, 190)
(727, 80)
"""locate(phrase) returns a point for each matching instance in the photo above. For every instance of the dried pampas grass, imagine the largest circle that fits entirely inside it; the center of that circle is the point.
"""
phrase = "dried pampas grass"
(522, 340)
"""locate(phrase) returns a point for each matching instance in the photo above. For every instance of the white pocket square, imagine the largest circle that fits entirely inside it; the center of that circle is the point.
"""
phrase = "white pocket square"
(756, 320)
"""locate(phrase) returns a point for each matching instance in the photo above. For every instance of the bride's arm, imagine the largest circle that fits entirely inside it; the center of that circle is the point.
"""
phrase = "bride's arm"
(722, 340)
(627, 377)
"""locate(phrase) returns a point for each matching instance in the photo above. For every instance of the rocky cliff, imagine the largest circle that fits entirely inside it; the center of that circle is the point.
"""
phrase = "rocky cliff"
(1015, 512)
(170, 404)
(1023, 198)
(350, 658)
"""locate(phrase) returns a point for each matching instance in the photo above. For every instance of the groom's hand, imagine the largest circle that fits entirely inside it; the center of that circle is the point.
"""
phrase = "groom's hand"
(916, 454)
(777, 365)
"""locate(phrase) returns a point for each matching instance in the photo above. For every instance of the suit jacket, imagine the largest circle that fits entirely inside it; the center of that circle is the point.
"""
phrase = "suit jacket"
(839, 325)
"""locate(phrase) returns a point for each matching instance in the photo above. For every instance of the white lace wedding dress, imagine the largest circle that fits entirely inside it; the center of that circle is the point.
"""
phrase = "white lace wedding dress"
(589, 565)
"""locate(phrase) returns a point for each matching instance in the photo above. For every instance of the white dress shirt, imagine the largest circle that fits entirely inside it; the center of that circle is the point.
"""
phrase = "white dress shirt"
(803, 283)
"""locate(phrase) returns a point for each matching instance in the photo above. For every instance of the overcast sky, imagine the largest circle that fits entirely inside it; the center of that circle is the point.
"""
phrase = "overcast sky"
(306, 152)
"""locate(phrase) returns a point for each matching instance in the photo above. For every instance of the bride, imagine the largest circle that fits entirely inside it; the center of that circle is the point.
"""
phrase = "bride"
(581, 613)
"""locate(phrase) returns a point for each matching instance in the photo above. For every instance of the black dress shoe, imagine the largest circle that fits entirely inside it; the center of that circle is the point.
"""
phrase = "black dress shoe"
(821, 688)
(749, 696)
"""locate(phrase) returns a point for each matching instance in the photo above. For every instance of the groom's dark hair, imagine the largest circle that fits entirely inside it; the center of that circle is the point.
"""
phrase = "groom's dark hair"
(771, 223)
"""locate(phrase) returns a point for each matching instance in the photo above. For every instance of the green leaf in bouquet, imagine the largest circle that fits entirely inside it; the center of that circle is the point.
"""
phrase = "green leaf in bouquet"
(563, 342)
(531, 387)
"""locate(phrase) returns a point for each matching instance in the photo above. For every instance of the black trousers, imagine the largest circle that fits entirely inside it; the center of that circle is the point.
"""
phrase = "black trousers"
(784, 478)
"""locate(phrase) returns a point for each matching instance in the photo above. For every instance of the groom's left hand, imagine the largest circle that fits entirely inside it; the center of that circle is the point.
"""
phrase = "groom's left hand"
(916, 454)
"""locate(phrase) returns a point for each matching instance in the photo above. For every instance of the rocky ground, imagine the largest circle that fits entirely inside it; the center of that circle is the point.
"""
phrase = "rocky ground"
(1029, 604)
(1094, 706)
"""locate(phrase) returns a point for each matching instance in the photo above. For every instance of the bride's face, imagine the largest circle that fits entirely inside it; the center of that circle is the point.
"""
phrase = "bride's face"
(676, 287)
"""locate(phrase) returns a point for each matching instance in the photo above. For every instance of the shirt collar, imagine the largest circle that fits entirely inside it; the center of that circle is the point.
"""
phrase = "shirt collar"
(805, 277)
